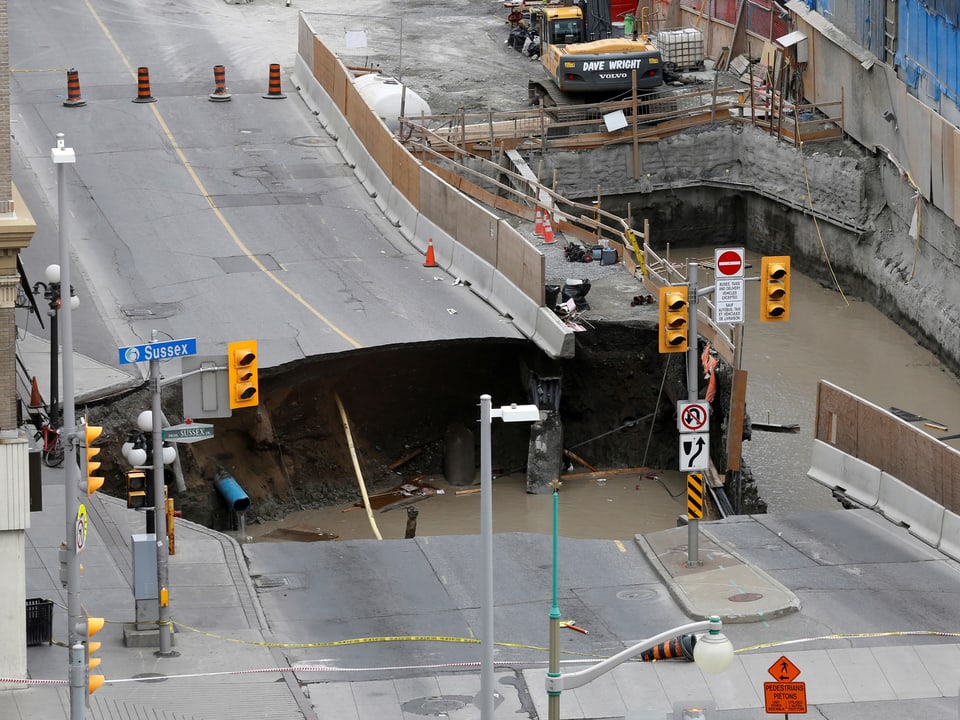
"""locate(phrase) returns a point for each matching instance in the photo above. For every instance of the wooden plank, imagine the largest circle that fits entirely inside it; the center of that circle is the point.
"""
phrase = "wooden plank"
(738, 404)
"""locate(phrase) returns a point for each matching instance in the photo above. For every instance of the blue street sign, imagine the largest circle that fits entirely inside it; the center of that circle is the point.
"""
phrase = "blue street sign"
(158, 351)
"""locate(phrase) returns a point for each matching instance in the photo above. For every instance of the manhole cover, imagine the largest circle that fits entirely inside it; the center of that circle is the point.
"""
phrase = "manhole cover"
(150, 677)
(745, 597)
(436, 706)
(253, 172)
(637, 594)
(307, 141)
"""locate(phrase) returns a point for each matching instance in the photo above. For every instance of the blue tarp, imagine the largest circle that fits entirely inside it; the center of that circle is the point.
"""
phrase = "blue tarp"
(928, 46)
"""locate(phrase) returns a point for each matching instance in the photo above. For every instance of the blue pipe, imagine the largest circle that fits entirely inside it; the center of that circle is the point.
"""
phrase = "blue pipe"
(231, 491)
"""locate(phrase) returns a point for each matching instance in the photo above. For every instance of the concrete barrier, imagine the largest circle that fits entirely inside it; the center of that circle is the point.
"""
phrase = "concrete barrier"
(539, 324)
(901, 503)
(949, 543)
(468, 266)
(860, 481)
(826, 464)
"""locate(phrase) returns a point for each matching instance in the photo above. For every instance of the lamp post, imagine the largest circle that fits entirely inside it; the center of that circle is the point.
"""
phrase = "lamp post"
(712, 652)
(51, 293)
(507, 413)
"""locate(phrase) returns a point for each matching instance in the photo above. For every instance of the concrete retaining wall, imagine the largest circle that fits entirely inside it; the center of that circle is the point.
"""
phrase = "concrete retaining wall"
(469, 241)
(881, 462)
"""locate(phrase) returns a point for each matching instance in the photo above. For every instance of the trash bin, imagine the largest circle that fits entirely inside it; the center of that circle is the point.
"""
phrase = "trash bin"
(39, 621)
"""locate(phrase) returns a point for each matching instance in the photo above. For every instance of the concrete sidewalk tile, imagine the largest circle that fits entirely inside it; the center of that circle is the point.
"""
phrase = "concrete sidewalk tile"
(941, 662)
(640, 688)
(570, 708)
(602, 697)
(905, 672)
(735, 688)
(333, 700)
(681, 681)
(861, 673)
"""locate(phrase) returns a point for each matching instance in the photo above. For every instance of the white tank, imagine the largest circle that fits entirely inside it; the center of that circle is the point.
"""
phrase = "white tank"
(384, 94)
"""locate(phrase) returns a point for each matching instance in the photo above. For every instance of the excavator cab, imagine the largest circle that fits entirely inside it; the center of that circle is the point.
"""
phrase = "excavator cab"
(561, 26)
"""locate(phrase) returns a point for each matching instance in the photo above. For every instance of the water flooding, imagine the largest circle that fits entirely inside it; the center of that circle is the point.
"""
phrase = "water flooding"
(852, 346)
(613, 506)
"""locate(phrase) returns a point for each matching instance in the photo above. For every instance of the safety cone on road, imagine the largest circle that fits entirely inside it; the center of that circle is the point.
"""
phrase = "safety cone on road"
(538, 227)
(221, 94)
(73, 90)
(274, 92)
(35, 399)
(680, 647)
(143, 86)
(431, 260)
(548, 229)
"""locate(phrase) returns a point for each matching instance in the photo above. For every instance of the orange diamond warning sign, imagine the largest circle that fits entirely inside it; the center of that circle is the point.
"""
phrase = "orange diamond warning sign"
(783, 670)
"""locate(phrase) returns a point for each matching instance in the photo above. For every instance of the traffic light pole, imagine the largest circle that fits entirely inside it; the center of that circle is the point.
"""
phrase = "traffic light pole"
(61, 156)
(159, 510)
(693, 384)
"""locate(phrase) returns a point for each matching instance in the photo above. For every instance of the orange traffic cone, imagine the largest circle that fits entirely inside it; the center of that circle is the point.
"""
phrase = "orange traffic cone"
(538, 228)
(431, 260)
(73, 90)
(274, 91)
(680, 647)
(35, 399)
(221, 94)
(547, 229)
(143, 86)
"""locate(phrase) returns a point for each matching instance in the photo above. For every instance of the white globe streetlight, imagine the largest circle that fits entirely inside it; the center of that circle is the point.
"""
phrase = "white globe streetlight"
(713, 652)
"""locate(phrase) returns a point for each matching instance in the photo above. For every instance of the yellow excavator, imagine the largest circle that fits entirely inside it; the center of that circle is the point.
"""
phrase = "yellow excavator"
(588, 68)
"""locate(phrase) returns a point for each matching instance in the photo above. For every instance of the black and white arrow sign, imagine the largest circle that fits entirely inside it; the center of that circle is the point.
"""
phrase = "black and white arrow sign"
(694, 451)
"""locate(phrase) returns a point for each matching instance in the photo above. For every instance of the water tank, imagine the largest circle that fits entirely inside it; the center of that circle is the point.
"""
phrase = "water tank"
(384, 94)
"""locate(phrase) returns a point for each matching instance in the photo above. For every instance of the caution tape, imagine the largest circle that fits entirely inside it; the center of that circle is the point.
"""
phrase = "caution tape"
(846, 636)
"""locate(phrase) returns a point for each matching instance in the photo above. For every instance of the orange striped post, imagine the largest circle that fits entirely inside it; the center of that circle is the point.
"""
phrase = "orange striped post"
(274, 92)
(73, 89)
(221, 94)
(143, 87)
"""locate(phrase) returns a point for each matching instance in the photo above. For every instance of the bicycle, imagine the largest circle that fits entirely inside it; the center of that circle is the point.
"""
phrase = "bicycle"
(52, 451)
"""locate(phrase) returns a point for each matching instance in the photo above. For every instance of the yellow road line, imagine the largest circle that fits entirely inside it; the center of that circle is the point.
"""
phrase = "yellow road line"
(213, 206)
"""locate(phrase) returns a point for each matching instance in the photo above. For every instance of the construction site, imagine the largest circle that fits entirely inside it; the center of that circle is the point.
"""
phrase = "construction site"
(781, 146)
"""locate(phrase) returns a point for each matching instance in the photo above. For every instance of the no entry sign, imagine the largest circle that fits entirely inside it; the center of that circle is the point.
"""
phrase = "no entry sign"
(728, 262)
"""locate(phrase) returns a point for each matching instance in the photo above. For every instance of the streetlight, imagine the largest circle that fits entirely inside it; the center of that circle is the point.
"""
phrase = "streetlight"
(712, 652)
(51, 293)
(507, 413)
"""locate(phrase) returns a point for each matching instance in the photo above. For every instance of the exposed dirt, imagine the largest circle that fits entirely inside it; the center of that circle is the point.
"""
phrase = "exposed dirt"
(291, 453)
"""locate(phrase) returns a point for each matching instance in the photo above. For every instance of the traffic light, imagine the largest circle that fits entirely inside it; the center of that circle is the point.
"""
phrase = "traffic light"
(93, 626)
(242, 374)
(674, 319)
(93, 482)
(775, 288)
(137, 489)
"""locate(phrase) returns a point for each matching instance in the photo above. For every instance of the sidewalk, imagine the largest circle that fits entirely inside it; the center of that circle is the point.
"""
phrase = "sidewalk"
(93, 379)
(213, 592)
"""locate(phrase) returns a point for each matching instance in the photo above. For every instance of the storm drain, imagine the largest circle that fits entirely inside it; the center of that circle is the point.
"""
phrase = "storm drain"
(268, 583)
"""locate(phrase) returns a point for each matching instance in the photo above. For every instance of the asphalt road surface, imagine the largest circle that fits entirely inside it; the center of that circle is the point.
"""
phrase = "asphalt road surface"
(221, 221)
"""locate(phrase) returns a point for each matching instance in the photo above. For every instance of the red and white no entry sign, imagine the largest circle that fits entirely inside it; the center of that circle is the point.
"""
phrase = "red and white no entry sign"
(729, 262)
